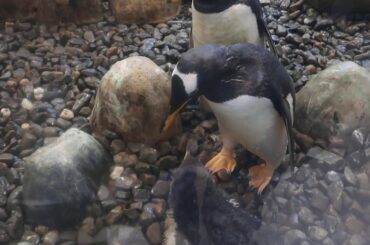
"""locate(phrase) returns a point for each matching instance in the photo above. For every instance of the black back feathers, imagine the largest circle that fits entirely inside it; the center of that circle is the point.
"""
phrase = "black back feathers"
(203, 213)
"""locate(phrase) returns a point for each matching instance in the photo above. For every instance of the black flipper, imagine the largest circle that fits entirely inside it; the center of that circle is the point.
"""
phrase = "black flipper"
(262, 27)
(289, 126)
(269, 40)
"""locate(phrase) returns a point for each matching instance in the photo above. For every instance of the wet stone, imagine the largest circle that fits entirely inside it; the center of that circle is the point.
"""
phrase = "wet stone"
(14, 225)
(358, 239)
(114, 215)
(4, 236)
(30, 237)
(292, 237)
(153, 233)
(318, 199)
(168, 162)
(148, 155)
(332, 176)
(161, 189)
(306, 216)
(350, 177)
(126, 160)
(7, 158)
(325, 159)
(51, 238)
(141, 195)
(317, 233)
(358, 137)
(117, 146)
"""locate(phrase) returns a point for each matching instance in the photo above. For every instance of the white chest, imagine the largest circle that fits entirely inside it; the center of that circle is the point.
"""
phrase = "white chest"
(236, 24)
(254, 123)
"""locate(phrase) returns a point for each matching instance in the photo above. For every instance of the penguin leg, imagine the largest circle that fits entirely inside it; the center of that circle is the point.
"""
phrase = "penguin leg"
(260, 176)
(225, 158)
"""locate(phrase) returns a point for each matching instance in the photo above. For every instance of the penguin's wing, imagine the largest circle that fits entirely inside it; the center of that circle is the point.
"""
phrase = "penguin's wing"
(262, 27)
(283, 97)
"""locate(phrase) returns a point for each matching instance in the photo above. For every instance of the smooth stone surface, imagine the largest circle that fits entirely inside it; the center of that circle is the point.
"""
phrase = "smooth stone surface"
(335, 103)
(59, 177)
(132, 100)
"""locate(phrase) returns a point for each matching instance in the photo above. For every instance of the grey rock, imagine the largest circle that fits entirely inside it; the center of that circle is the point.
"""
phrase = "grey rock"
(122, 234)
(141, 195)
(148, 155)
(7, 158)
(53, 183)
(318, 199)
(51, 238)
(325, 159)
(153, 233)
(317, 233)
(292, 237)
(350, 177)
(161, 189)
(14, 225)
(358, 239)
(30, 237)
(306, 215)
(322, 105)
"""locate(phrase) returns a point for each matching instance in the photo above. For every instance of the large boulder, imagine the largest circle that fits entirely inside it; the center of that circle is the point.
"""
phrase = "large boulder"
(132, 100)
(341, 6)
(149, 11)
(61, 179)
(335, 102)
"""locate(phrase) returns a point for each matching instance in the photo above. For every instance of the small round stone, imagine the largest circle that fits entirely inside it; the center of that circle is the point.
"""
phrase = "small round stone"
(67, 114)
(38, 93)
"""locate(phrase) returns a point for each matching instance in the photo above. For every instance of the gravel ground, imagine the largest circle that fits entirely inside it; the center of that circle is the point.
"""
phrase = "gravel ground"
(48, 80)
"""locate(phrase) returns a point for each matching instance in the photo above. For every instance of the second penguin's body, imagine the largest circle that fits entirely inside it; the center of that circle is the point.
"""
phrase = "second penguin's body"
(252, 97)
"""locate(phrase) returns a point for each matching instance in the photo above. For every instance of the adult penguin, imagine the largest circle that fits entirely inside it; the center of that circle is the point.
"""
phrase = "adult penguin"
(229, 22)
(252, 97)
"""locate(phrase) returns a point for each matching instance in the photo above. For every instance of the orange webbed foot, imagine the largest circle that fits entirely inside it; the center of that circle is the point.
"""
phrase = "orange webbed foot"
(223, 160)
(260, 176)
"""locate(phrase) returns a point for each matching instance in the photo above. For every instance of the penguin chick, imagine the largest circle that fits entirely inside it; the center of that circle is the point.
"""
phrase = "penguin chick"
(229, 22)
(252, 97)
(203, 213)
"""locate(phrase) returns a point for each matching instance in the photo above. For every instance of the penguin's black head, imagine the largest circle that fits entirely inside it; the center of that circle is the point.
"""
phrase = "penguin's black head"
(194, 74)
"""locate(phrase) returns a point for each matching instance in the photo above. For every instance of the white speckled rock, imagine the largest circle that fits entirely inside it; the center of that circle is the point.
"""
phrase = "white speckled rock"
(133, 100)
(335, 102)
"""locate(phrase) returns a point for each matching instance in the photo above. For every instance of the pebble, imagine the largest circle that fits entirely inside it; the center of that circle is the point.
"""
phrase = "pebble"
(5, 113)
(67, 114)
(116, 172)
(153, 233)
(161, 189)
(114, 215)
(38, 93)
(51, 237)
(317, 233)
(148, 155)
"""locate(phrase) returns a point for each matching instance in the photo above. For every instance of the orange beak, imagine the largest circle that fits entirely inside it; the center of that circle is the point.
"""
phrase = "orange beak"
(171, 118)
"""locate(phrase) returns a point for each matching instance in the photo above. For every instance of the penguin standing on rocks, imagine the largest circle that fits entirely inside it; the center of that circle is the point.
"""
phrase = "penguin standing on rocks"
(229, 22)
(252, 97)
(202, 214)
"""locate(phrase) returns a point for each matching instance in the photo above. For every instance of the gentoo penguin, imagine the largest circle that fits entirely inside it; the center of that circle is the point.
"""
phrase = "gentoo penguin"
(229, 22)
(204, 214)
(252, 97)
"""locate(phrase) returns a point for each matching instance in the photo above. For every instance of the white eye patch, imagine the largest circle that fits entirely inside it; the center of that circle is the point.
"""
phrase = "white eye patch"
(189, 80)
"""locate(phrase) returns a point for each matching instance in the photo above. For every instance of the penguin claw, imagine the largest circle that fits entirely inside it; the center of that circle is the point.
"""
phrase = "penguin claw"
(223, 160)
(260, 176)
